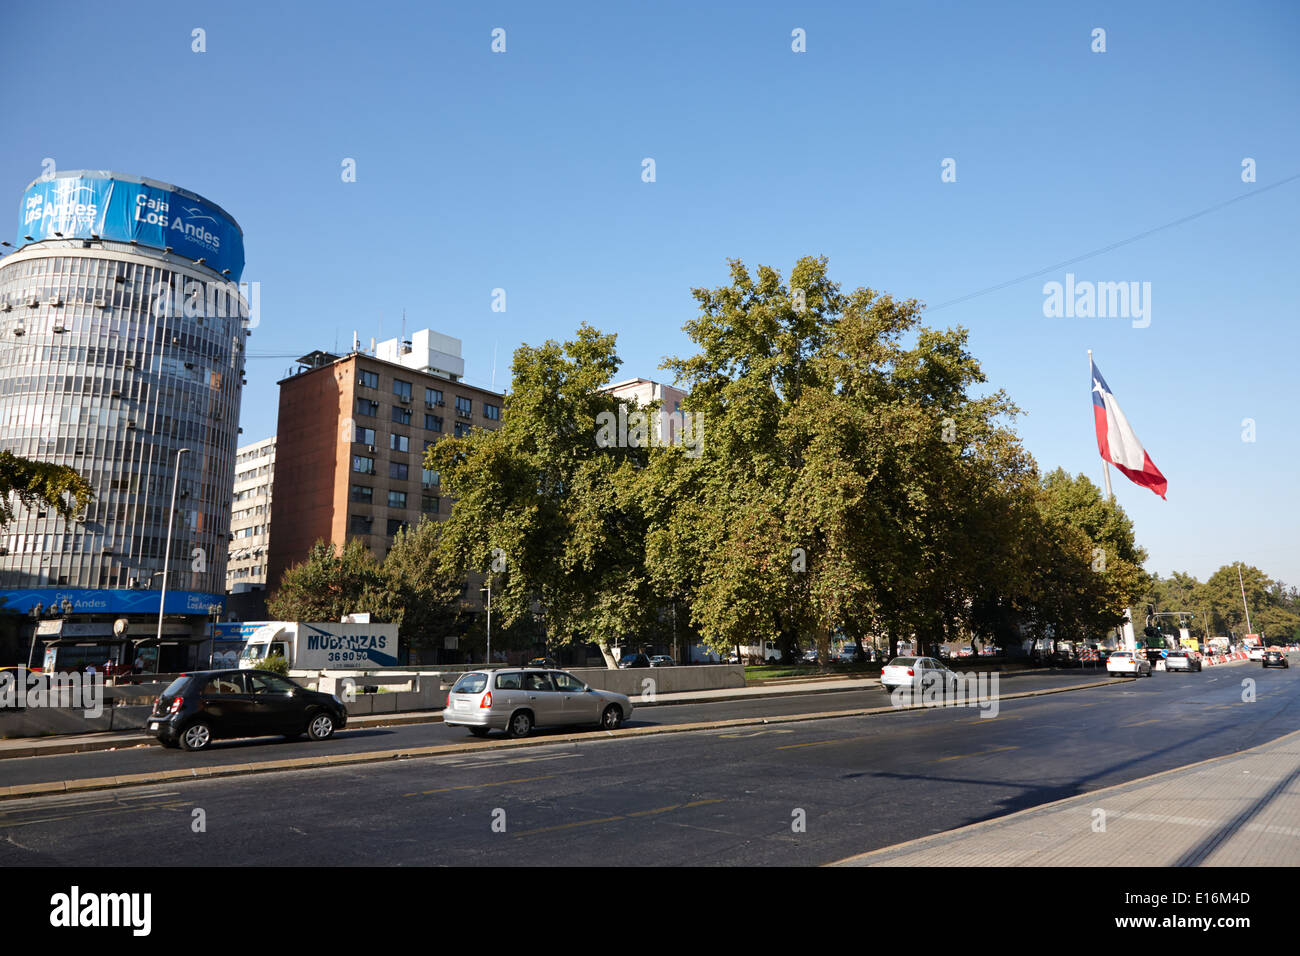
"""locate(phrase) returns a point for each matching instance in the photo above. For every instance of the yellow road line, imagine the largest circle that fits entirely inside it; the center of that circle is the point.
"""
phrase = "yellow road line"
(477, 786)
(626, 816)
(818, 743)
(982, 753)
(5, 824)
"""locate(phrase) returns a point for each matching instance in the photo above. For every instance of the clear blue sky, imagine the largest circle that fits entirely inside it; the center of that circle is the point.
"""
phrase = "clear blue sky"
(523, 171)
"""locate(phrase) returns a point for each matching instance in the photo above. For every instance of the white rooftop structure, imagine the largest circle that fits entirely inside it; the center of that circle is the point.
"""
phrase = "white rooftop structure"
(426, 351)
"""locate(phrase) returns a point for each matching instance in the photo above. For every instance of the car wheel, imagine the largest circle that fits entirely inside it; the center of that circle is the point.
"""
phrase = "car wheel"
(321, 726)
(479, 731)
(521, 724)
(611, 718)
(196, 736)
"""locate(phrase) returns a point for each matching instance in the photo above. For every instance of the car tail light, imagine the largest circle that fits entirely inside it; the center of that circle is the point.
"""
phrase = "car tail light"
(487, 700)
(909, 672)
(176, 705)
(448, 700)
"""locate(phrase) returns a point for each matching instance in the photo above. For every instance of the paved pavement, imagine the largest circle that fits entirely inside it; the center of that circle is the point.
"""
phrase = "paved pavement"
(1238, 810)
(798, 790)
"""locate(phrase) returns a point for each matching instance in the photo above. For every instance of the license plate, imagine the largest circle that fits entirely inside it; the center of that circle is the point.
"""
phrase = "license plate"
(153, 724)
(461, 705)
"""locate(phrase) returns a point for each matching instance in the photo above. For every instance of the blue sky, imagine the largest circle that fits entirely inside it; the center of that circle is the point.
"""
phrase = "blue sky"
(522, 171)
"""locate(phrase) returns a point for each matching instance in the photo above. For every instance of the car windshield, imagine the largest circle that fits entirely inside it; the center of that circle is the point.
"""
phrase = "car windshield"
(470, 684)
(902, 662)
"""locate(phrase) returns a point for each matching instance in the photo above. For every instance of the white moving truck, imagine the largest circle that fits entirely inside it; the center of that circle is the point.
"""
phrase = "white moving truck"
(322, 646)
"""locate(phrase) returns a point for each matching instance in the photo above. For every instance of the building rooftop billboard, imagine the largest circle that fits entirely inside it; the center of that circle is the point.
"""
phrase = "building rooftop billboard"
(84, 204)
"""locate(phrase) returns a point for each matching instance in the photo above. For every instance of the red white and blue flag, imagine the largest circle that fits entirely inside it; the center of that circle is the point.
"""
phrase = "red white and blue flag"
(1116, 440)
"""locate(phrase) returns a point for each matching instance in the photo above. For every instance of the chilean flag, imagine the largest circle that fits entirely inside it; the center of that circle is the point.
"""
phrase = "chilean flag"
(1116, 441)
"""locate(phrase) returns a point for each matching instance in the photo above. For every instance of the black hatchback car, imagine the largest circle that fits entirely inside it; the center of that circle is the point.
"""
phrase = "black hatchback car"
(1276, 659)
(204, 706)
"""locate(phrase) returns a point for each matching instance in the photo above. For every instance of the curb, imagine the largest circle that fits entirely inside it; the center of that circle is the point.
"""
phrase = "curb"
(1090, 794)
(382, 756)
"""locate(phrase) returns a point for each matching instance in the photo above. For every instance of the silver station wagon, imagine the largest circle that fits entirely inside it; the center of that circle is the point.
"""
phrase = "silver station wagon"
(518, 699)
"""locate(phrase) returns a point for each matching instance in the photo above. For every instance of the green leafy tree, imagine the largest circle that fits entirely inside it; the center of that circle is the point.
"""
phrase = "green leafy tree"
(544, 508)
(1271, 612)
(33, 482)
(1088, 564)
(849, 481)
(419, 595)
(333, 582)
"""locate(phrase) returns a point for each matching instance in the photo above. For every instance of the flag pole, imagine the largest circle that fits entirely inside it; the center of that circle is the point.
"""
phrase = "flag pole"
(1127, 633)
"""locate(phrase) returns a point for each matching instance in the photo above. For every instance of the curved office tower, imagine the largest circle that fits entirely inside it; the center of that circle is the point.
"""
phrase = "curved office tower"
(122, 337)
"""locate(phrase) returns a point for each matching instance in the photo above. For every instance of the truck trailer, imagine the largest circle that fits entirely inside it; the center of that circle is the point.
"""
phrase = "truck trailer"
(326, 646)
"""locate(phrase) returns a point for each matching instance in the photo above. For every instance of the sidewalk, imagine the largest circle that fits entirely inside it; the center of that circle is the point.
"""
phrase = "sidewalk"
(1238, 810)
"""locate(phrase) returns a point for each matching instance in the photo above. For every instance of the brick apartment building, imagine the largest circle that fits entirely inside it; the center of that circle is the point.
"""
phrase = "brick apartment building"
(350, 444)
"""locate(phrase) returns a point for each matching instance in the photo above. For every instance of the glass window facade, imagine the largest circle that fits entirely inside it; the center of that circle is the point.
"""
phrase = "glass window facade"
(138, 359)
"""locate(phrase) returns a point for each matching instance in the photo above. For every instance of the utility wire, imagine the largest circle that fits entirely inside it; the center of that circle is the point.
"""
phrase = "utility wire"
(1114, 245)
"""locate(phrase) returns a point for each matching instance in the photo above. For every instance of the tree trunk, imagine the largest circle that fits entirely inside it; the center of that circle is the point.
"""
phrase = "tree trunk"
(607, 652)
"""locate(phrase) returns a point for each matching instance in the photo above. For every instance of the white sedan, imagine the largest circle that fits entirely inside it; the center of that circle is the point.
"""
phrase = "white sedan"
(1128, 663)
(1255, 654)
(914, 672)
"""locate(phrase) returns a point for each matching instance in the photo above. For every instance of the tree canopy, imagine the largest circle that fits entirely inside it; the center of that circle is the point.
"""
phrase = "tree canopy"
(32, 482)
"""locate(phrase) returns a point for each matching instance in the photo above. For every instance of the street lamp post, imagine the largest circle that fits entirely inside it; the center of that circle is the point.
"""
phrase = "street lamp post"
(214, 611)
(488, 591)
(167, 554)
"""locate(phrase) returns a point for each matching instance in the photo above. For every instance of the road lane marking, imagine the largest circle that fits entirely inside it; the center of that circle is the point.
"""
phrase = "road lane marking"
(818, 743)
(756, 733)
(1143, 723)
(981, 753)
(479, 786)
(614, 819)
(6, 823)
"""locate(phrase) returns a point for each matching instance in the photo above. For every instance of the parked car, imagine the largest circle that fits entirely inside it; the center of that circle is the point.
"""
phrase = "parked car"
(1130, 663)
(914, 672)
(200, 707)
(1276, 659)
(517, 700)
(634, 660)
(1255, 654)
(1182, 661)
(662, 660)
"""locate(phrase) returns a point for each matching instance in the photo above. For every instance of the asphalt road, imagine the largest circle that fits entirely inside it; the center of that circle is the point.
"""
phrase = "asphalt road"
(702, 798)
(150, 756)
